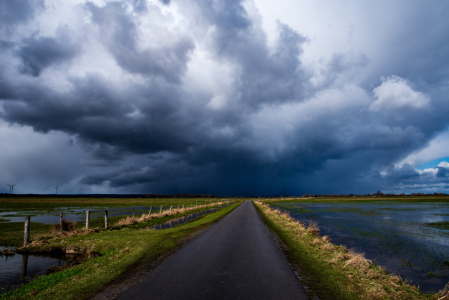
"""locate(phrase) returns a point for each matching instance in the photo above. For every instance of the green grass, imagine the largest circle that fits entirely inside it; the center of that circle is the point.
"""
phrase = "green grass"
(11, 233)
(323, 269)
(122, 251)
(18, 203)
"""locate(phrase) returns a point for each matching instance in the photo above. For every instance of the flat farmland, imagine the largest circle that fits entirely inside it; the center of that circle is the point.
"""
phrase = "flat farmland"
(45, 212)
(408, 236)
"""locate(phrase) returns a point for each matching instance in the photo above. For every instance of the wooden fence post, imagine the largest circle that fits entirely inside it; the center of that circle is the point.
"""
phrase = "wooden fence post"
(26, 233)
(178, 206)
(106, 219)
(160, 210)
(24, 266)
(171, 207)
(87, 219)
(151, 208)
(61, 214)
(133, 213)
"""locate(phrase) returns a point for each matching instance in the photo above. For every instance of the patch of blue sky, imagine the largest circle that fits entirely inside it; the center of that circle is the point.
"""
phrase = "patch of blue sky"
(433, 163)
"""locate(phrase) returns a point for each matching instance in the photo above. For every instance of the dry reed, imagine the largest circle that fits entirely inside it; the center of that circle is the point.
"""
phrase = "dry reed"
(373, 281)
(66, 226)
(444, 293)
(173, 212)
(69, 229)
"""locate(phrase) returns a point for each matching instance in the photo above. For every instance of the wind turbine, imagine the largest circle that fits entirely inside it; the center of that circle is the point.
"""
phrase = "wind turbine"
(9, 188)
(12, 187)
(56, 188)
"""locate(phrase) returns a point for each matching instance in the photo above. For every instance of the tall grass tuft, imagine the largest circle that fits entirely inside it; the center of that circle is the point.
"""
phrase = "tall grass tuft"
(66, 226)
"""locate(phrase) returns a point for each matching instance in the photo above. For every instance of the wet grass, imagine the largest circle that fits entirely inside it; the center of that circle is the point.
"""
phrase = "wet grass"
(11, 233)
(439, 225)
(331, 271)
(121, 251)
(18, 204)
(391, 232)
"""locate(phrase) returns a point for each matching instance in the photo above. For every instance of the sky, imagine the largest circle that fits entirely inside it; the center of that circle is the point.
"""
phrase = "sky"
(224, 97)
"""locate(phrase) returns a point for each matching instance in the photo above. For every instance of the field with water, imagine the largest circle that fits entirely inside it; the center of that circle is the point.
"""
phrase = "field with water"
(45, 212)
(21, 268)
(409, 237)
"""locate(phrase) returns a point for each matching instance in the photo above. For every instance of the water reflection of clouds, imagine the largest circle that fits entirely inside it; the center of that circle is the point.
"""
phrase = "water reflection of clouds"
(388, 233)
(19, 269)
(431, 218)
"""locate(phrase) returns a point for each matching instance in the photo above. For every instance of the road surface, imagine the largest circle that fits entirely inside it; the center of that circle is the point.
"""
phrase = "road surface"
(236, 258)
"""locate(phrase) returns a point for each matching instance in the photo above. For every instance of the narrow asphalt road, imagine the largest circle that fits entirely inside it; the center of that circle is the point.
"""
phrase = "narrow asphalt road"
(236, 258)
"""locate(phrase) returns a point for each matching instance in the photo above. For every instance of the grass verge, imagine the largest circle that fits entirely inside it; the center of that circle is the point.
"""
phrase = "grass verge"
(119, 251)
(331, 271)
(11, 233)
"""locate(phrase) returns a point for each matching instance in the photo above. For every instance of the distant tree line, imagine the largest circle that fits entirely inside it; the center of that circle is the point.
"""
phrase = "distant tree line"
(377, 194)
(108, 195)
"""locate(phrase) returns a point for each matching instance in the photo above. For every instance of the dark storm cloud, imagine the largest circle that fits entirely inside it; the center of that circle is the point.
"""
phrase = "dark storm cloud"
(39, 53)
(266, 75)
(13, 12)
(119, 35)
(405, 172)
(279, 127)
(442, 172)
(99, 115)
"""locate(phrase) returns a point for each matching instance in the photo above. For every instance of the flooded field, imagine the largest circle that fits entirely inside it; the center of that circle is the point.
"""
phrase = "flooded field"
(77, 214)
(409, 239)
(45, 212)
(18, 269)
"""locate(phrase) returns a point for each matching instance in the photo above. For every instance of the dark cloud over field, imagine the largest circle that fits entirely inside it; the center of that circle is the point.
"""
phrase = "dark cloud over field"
(197, 97)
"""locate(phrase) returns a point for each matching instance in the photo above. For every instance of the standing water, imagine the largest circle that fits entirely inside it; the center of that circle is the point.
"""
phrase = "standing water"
(409, 239)
(178, 221)
(18, 269)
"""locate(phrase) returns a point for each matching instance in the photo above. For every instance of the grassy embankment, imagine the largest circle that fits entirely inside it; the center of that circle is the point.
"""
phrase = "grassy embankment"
(121, 251)
(11, 233)
(334, 272)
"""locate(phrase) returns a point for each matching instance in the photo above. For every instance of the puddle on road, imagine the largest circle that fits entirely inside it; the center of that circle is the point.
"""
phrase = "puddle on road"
(19, 269)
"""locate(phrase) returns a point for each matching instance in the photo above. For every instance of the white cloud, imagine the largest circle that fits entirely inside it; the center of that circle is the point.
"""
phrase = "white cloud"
(395, 93)
(437, 148)
(443, 164)
(432, 171)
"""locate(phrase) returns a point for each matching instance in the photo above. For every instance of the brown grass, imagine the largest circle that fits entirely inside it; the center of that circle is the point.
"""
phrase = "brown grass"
(313, 228)
(170, 212)
(69, 229)
(66, 226)
(444, 293)
(362, 278)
